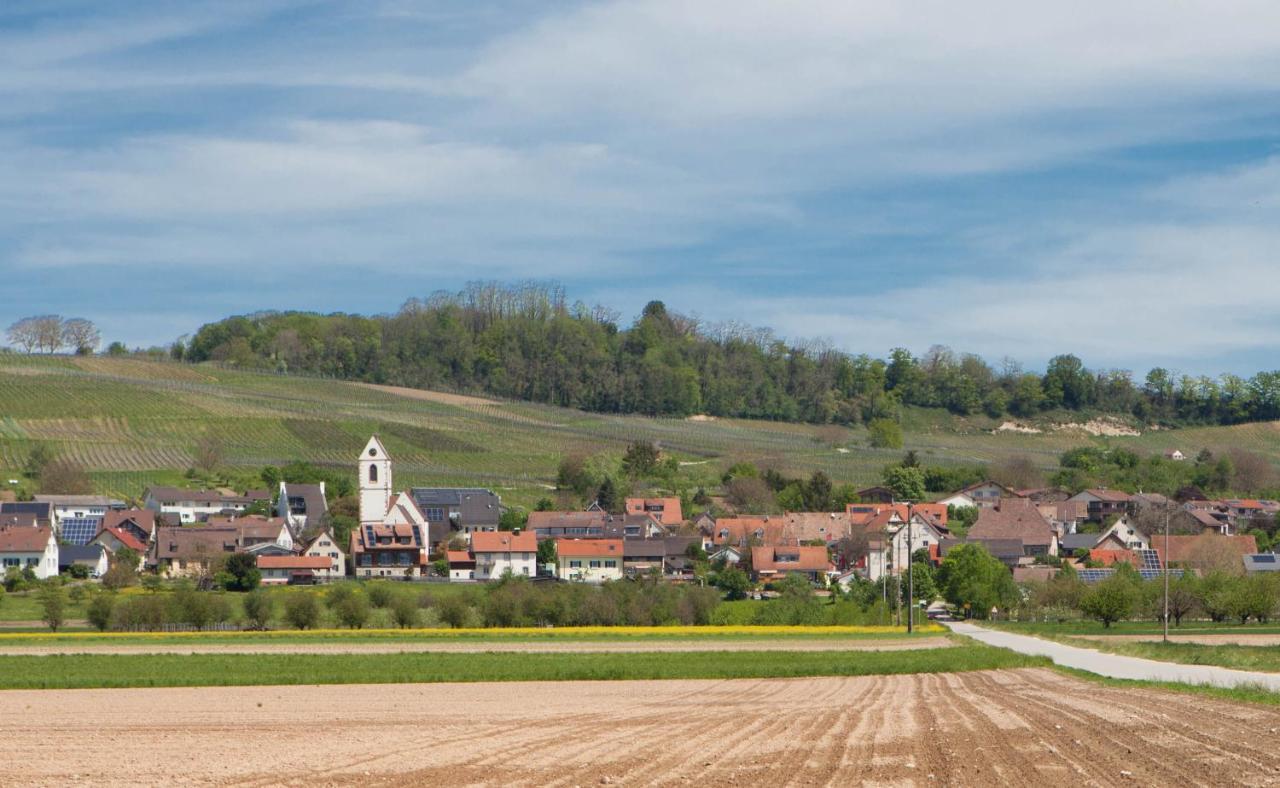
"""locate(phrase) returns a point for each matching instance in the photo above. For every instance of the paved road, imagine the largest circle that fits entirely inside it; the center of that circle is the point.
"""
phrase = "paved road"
(1116, 665)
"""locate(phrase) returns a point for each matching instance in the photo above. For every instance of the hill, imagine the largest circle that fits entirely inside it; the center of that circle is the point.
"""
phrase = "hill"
(134, 423)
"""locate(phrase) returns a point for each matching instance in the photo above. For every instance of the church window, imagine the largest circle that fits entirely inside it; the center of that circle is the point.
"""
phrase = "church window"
(373, 473)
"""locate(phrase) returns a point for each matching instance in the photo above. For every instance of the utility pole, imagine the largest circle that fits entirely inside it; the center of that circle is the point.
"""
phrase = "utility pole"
(1165, 568)
(911, 584)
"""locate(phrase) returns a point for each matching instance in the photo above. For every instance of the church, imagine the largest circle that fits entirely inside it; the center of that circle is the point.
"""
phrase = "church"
(391, 541)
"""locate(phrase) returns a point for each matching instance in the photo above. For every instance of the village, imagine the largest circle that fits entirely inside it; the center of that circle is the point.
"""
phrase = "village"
(456, 535)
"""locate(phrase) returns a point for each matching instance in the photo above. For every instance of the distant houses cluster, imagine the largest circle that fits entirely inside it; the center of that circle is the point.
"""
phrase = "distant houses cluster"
(454, 533)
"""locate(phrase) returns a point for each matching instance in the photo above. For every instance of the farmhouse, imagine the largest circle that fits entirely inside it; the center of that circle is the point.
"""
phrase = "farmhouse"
(501, 552)
(589, 560)
(26, 546)
(1016, 519)
(184, 551)
(325, 546)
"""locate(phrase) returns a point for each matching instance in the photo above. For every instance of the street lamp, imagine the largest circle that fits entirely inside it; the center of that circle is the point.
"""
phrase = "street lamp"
(911, 588)
(1165, 567)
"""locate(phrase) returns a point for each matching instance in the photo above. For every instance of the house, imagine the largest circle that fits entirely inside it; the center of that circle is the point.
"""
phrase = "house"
(1069, 544)
(177, 505)
(593, 525)
(391, 540)
(180, 551)
(664, 554)
(462, 565)
(1261, 562)
(1103, 503)
(1016, 518)
(256, 530)
(1034, 574)
(323, 545)
(665, 510)
(292, 569)
(498, 553)
(26, 546)
(76, 517)
(745, 531)
(589, 560)
(811, 527)
(302, 505)
(959, 500)
(1066, 517)
(93, 556)
(140, 523)
(778, 561)
(892, 539)
(1206, 552)
(19, 519)
(875, 495)
(1010, 552)
(458, 509)
(1242, 512)
(984, 494)
(729, 554)
(1174, 454)
(114, 538)
(1127, 533)
(42, 511)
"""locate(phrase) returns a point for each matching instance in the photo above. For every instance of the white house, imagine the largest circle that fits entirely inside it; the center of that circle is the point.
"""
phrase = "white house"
(888, 548)
(499, 552)
(325, 546)
(301, 505)
(1124, 530)
(588, 560)
(984, 494)
(93, 556)
(79, 507)
(959, 500)
(192, 506)
(22, 547)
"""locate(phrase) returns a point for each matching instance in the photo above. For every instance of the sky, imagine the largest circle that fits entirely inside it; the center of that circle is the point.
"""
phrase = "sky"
(1006, 178)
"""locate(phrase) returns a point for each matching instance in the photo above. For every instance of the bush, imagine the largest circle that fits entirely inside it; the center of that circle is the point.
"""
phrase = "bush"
(454, 611)
(259, 607)
(53, 604)
(380, 593)
(146, 613)
(240, 573)
(100, 610)
(404, 612)
(302, 610)
(885, 434)
(1111, 600)
(199, 609)
(78, 572)
(353, 611)
(337, 594)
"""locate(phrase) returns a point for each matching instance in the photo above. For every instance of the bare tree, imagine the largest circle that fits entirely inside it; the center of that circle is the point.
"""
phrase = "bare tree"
(208, 454)
(1251, 471)
(48, 330)
(65, 476)
(23, 334)
(1017, 471)
(81, 335)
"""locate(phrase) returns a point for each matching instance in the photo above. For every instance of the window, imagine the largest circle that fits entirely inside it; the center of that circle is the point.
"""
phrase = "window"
(373, 471)
(524, 570)
(595, 564)
(610, 564)
(572, 564)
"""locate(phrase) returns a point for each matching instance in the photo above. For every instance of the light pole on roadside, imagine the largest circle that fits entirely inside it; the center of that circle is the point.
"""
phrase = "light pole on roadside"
(911, 586)
(1165, 568)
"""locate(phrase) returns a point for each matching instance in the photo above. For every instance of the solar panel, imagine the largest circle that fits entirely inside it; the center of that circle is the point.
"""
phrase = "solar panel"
(1149, 559)
(80, 530)
(1091, 576)
(1264, 558)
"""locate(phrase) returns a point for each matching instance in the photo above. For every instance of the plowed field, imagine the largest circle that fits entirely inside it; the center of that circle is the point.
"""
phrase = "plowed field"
(1025, 727)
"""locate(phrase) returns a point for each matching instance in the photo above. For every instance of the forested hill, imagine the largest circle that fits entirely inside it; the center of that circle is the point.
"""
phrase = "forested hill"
(527, 342)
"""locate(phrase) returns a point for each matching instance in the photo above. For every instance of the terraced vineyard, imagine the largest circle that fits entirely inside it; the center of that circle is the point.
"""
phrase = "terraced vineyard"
(133, 423)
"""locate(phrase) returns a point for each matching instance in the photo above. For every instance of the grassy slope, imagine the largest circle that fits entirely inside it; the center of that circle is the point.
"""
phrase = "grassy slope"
(164, 670)
(135, 423)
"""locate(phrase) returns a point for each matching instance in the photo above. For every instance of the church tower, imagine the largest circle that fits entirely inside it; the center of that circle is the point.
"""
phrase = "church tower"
(375, 482)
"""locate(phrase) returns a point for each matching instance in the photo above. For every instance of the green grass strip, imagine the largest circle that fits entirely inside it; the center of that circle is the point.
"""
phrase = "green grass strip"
(75, 671)
(1227, 655)
(1241, 694)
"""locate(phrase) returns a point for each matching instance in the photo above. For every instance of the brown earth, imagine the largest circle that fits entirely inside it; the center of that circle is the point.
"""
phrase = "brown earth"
(1216, 639)
(1024, 727)
(391, 647)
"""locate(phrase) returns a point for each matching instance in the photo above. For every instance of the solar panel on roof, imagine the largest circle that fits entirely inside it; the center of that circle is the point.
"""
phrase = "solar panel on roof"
(1091, 576)
(80, 530)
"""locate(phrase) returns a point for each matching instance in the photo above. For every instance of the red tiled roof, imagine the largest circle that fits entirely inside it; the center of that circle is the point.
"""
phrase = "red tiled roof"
(459, 557)
(504, 542)
(588, 547)
(1110, 557)
(124, 537)
(294, 562)
(24, 538)
(1014, 518)
(788, 559)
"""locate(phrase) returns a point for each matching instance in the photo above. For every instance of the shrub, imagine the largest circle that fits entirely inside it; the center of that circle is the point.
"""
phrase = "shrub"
(78, 572)
(259, 607)
(302, 610)
(885, 434)
(140, 613)
(404, 612)
(380, 593)
(241, 572)
(53, 604)
(100, 610)
(337, 594)
(353, 611)
(454, 611)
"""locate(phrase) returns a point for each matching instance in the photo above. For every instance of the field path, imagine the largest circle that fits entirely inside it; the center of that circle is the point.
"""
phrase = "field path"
(463, 647)
(1028, 727)
(1117, 666)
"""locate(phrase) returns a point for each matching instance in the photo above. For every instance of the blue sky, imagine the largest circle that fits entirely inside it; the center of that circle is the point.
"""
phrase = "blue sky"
(999, 177)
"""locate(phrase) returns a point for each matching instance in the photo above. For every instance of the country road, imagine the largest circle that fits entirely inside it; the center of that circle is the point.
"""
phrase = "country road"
(1116, 666)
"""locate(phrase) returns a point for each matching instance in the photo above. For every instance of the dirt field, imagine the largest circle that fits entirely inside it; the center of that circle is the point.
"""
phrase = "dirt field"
(1217, 639)
(567, 647)
(1027, 727)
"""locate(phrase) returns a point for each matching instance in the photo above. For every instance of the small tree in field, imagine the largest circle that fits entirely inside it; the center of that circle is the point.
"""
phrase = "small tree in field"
(259, 607)
(302, 611)
(123, 570)
(241, 572)
(53, 604)
(353, 611)
(99, 611)
(1110, 601)
(404, 612)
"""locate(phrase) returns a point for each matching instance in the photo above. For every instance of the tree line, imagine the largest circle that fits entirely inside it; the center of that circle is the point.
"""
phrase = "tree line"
(51, 333)
(528, 342)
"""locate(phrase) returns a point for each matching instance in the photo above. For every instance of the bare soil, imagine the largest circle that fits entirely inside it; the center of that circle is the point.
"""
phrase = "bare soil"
(1024, 727)
(393, 647)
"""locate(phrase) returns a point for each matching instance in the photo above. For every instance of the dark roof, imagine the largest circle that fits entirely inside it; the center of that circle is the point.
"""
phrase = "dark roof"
(1078, 541)
(312, 496)
(476, 506)
(43, 510)
(1001, 548)
(1262, 562)
(194, 541)
(163, 494)
(68, 554)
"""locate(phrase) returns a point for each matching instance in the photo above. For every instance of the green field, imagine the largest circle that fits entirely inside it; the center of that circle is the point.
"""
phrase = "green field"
(133, 423)
(73, 671)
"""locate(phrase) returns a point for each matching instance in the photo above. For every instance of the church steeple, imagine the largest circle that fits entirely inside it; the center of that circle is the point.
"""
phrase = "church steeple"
(375, 481)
